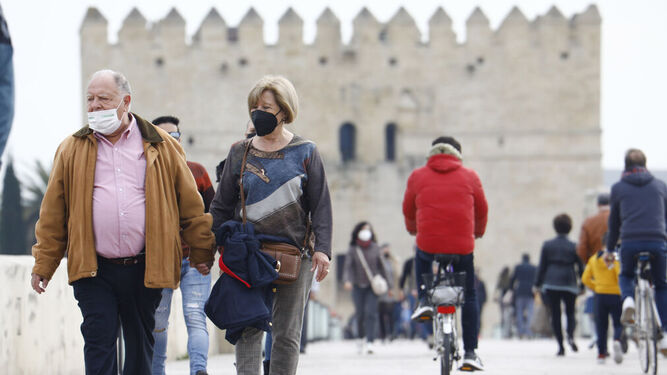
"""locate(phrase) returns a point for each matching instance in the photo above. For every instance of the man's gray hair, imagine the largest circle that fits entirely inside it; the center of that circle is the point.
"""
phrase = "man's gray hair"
(121, 82)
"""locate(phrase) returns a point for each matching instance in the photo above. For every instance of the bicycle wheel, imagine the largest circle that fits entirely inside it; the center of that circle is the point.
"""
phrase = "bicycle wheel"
(447, 356)
(651, 336)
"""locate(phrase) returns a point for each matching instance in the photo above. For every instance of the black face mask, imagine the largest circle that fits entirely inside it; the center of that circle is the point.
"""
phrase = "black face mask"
(265, 122)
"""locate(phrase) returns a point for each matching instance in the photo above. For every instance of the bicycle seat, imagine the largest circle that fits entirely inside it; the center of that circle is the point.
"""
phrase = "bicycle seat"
(447, 258)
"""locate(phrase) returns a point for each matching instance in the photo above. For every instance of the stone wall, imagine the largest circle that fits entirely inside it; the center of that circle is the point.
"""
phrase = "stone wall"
(39, 334)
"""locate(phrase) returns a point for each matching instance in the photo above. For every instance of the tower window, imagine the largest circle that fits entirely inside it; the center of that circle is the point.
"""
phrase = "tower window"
(347, 137)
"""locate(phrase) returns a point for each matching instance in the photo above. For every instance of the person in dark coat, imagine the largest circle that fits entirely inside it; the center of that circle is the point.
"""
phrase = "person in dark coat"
(558, 276)
(637, 218)
(522, 285)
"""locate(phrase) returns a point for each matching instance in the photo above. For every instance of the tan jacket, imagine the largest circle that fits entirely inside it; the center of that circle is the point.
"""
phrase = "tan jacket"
(172, 202)
(590, 238)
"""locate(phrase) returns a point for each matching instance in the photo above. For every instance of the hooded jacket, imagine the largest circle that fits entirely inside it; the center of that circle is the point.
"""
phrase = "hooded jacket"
(638, 211)
(444, 204)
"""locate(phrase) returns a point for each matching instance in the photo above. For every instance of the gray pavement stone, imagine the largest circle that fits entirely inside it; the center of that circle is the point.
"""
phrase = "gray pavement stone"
(500, 357)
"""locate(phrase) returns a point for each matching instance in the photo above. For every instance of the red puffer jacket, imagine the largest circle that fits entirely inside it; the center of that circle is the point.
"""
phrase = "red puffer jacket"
(445, 205)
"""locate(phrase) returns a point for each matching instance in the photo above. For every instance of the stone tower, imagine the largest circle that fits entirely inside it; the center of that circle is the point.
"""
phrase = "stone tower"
(524, 101)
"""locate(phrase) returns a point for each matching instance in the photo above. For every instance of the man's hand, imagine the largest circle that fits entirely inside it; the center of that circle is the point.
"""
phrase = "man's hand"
(203, 268)
(347, 286)
(321, 263)
(35, 282)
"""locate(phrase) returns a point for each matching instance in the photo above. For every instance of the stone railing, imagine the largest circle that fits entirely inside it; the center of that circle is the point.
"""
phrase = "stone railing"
(40, 334)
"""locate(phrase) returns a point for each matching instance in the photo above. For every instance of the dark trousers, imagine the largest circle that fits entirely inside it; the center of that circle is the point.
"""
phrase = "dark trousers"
(605, 305)
(386, 310)
(555, 297)
(366, 310)
(470, 316)
(117, 293)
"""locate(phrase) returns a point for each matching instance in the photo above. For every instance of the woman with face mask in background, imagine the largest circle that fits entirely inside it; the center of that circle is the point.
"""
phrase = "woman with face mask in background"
(286, 193)
(363, 243)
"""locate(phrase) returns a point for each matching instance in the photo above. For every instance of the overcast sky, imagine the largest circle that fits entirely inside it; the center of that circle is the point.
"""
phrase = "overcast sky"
(48, 83)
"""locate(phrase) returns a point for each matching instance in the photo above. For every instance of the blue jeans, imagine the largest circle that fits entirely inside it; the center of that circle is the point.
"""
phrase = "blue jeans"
(6, 93)
(195, 289)
(626, 279)
(470, 315)
(524, 311)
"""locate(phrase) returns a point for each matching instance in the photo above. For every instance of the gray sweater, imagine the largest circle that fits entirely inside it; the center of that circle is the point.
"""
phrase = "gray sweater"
(354, 270)
(282, 188)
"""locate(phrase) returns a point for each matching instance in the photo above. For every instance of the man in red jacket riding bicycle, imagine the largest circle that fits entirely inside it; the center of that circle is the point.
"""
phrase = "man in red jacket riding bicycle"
(444, 205)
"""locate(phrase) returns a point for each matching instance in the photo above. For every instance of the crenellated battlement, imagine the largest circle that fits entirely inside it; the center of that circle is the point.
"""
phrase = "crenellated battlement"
(400, 31)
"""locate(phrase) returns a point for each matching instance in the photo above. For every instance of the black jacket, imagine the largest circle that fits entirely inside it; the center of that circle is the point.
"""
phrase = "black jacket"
(560, 266)
(638, 211)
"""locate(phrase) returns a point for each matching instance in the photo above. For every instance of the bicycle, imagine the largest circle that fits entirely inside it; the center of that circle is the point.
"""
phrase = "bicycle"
(647, 326)
(446, 296)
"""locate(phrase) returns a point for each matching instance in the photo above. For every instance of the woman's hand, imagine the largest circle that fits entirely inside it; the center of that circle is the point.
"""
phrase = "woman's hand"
(321, 263)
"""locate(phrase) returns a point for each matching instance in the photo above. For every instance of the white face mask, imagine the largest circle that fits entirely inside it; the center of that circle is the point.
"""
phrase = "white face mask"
(105, 121)
(365, 235)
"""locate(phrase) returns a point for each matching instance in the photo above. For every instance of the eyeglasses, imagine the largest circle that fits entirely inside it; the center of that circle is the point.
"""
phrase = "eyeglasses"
(176, 135)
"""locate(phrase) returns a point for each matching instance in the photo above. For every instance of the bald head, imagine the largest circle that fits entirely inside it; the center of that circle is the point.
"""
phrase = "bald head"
(634, 158)
(117, 78)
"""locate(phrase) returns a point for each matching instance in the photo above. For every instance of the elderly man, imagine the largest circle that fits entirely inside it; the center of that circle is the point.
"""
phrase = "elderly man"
(118, 193)
(638, 208)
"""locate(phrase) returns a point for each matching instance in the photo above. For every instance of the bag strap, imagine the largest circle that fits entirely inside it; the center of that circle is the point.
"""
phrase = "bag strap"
(369, 274)
(243, 208)
(245, 158)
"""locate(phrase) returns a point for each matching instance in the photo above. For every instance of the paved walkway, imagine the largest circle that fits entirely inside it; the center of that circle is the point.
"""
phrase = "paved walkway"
(501, 357)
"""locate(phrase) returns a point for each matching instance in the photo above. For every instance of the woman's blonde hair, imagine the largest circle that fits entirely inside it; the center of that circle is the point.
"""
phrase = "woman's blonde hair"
(284, 92)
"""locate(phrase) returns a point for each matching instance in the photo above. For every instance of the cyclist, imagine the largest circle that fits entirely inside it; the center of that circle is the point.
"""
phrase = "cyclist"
(444, 205)
(638, 207)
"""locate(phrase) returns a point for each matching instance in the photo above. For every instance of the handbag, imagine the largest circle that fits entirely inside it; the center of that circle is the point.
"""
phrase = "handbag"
(287, 256)
(378, 283)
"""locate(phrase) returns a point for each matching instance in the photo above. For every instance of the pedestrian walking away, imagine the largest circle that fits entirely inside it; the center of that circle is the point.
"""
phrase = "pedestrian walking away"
(116, 187)
(523, 279)
(195, 287)
(363, 243)
(558, 278)
(285, 189)
(444, 191)
(637, 217)
(601, 275)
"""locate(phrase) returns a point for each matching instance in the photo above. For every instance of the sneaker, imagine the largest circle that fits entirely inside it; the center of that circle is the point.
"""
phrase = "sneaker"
(422, 313)
(618, 351)
(602, 358)
(370, 348)
(662, 345)
(471, 362)
(628, 314)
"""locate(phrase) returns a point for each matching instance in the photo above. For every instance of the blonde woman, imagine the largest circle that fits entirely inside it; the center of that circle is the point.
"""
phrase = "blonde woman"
(285, 187)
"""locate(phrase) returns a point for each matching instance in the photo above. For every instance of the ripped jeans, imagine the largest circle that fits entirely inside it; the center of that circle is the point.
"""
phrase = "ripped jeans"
(195, 289)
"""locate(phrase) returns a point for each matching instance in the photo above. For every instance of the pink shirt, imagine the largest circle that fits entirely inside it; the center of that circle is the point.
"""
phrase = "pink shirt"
(119, 202)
